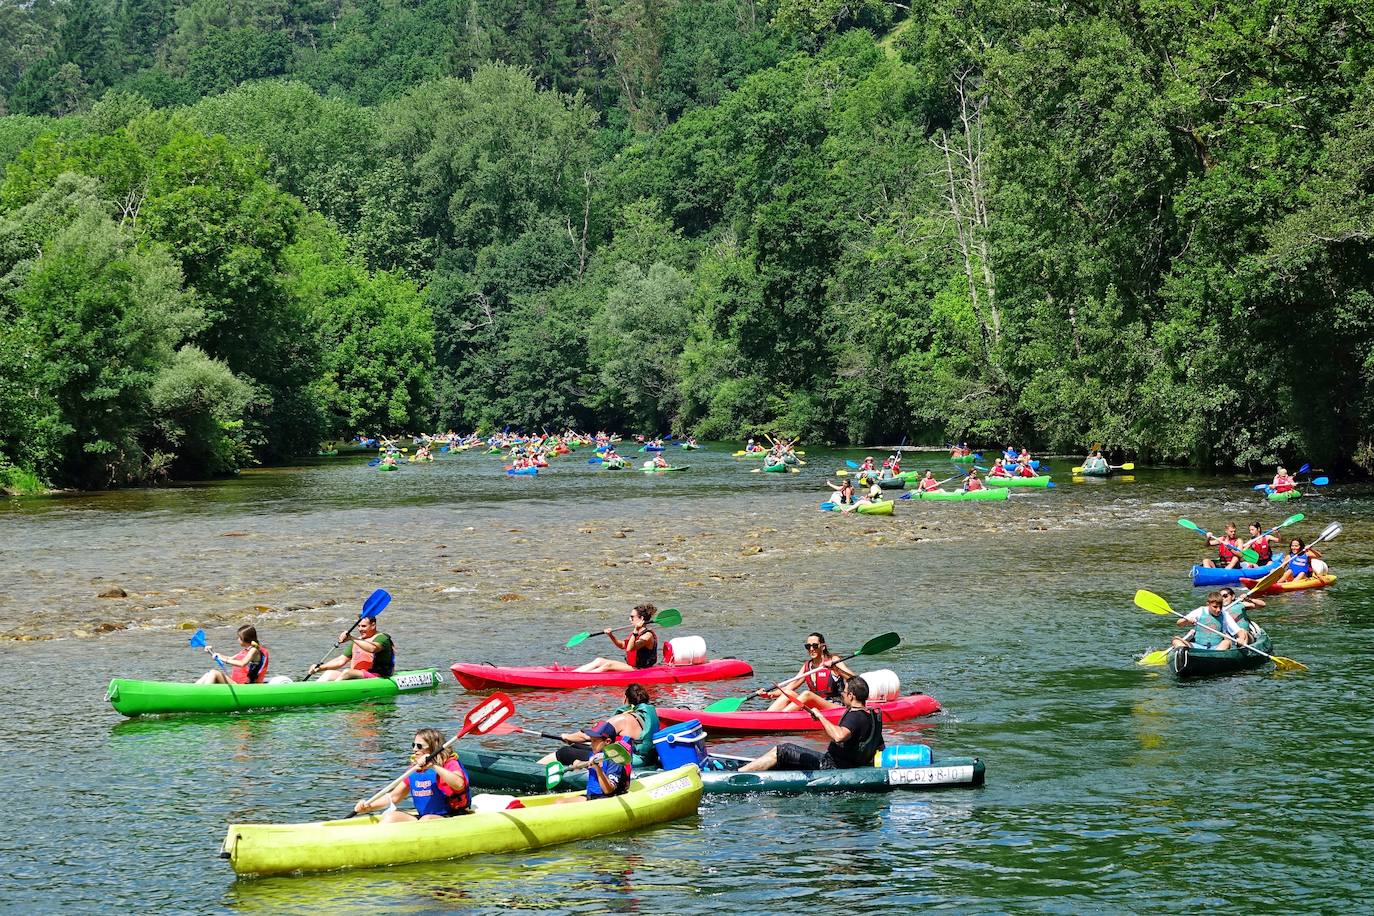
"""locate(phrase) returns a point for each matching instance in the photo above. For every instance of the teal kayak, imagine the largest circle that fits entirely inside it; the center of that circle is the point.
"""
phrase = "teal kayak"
(136, 698)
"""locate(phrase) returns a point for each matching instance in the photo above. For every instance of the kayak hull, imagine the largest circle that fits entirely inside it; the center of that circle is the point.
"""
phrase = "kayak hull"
(559, 677)
(964, 459)
(361, 842)
(881, 507)
(1296, 585)
(1190, 663)
(135, 698)
(1208, 575)
(1042, 481)
(1284, 496)
(681, 467)
(775, 468)
(720, 776)
(962, 496)
(1096, 472)
(763, 722)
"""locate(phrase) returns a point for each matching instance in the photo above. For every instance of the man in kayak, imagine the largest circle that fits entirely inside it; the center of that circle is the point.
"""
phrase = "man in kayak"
(641, 645)
(853, 741)
(660, 461)
(636, 722)
(973, 483)
(999, 469)
(605, 778)
(439, 787)
(1228, 549)
(249, 666)
(368, 654)
(1208, 630)
(1023, 467)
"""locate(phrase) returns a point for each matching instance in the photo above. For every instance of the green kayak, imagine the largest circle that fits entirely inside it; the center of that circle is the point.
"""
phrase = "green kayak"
(136, 698)
(1103, 471)
(680, 467)
(965, 459)
(720, 775)
(1186, 663)
(960, 495)
(388, 467)
(1285, 496)
(1042, 481)
(775, 468)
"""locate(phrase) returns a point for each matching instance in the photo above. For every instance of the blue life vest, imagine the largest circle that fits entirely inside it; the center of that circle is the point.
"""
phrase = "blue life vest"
(1301, 565)
(429, 796)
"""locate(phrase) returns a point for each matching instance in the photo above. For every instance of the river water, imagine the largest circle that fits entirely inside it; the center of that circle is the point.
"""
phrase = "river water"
(1110, 787)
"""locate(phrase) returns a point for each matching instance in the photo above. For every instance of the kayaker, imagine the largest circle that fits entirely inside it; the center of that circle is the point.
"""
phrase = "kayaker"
(1300, 566)
(636, 722)
(1261, 543)
(439, 787)
(973, 482)
(389, 460)
(606, 777)
(998, 469)
(868, 464)
(1208, 630)
(929, 483)
(660, 461)
(853, 741)
(844, 491)
(1237, 622)
(368, 654)
(249, 666)
(1228, 549)
(1023, 468)
(824, 684)
(1283, 482)
(641, 645)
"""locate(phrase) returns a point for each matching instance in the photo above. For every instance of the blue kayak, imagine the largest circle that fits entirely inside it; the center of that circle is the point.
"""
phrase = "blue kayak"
(523, 472)
(1206, 575)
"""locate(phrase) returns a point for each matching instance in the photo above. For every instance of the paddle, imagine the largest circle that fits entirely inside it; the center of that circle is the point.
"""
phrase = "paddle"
(874, 646)
(668, 617)
(1128, 466)
(481, 719)
(373, 606)
(1149, 601)
(553, 770)
(597, 460)
(1246, 554)
(374, 462)
(937, 486)
(1329, 533)
(1291, 520)
(197, 641)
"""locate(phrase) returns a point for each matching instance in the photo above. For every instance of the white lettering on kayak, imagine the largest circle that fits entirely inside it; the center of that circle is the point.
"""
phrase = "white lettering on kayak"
(677, 785)
(412, 681)
(928, 776)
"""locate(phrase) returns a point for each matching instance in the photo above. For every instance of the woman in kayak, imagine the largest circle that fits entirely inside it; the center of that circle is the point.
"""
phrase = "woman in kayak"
(844, 492)
(605, 778)
(825, 678)
(1228, 549)
(249, 666)
(641, 645)
(1300, 562)
(999, 469)
(660, 461)
(636, 722)
(973, 483)
(854, 740)
(929, 483)
(1261, 543)
(368, 654)
(1023, 467)
(1282, 481)
(439, 786)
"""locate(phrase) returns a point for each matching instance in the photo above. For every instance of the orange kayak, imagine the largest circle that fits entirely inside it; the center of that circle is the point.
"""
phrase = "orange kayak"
(1296, 585)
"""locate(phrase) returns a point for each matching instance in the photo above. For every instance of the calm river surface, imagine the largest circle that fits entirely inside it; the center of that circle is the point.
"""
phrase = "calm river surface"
(1110, 787)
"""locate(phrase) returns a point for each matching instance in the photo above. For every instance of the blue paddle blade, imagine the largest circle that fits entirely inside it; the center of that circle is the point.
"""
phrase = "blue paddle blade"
(594, 460)
(977, 456)
(197, 640)
(905, 496)
(375, 603)
(374, 462)
(1304, 469)
(1050, 485)
(852, 464)
(1260, 486)
(1320, 481)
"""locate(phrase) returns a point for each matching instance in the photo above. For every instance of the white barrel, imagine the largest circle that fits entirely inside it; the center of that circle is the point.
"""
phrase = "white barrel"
(491, 802)
(1319, 568)
(685, 650)
(649, 463)
(883, 685)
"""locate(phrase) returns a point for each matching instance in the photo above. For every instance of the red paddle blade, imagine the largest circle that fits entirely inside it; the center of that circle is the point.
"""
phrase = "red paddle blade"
(488, 714)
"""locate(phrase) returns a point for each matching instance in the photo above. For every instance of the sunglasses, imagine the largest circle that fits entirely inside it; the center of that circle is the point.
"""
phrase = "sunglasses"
(420, 747)
(813, 645)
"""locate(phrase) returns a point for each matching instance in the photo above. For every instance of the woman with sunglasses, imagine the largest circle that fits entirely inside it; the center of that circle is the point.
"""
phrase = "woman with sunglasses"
(825, 676)
(439, 786)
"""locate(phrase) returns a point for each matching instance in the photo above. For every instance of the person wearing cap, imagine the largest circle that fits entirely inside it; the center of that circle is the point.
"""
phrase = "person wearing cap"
(636, 721)
(853, 740)
(606, 777)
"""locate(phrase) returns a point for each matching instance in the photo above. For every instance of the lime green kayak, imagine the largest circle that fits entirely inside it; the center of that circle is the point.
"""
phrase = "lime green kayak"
(960, 495)
(1042, 481)
(1284, 496)
(136, 698)
(881, 507)
(775, 468)
(965, 459)
(361, 842)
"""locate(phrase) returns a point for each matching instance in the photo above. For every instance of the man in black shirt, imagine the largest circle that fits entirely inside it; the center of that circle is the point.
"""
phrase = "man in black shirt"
(853, 741)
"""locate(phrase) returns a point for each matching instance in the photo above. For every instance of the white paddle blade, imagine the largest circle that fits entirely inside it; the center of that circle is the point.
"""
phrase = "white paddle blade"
(1330, 532)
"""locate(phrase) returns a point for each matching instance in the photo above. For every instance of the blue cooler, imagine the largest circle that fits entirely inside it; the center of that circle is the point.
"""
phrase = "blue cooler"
(680, 745)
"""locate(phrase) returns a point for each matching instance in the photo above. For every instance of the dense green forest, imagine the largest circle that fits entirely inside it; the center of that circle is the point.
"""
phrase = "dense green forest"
(229, 230)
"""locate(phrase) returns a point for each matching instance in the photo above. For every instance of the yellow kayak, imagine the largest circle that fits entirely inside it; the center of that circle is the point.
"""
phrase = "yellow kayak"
(361, 842)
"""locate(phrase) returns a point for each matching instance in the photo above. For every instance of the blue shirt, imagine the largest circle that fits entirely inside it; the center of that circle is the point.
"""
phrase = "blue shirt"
(617, 773)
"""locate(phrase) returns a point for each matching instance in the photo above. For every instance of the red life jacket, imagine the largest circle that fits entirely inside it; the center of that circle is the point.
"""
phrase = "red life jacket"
(1225, 550)
(1026, 470)
(823, 681)
(1266, 553)
(645, 656)
(249, 674)
(999, 471)
(973, 483)
(929, 483)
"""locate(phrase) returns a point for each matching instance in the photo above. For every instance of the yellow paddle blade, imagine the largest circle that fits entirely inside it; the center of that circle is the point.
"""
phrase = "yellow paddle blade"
(1149, 601)
(1077, 470)
(1128, 466)
(1154, 659)
(1288, 664)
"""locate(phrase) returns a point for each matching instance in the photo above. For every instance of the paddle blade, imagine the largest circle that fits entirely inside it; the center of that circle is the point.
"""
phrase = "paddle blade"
(879, 644)
(1149, 601)
(488, 714)
(1289, 664)
(1304, 469)
(1259, 487)
(729, 704)
(374, 462)
(596, 460)
(668, 617)
(1154, 659)
(905, 496)
(1249, 556)
(1077, 470)
(1262, 586)
(577, 640)
(1183, 522)
(1320, 481)
(197, 640)
(1291, 520)
(1128, 466)
(553, 774)
(617, 753)
(851, 464)
(1330, 532)
(1051, 485)
(375, 603)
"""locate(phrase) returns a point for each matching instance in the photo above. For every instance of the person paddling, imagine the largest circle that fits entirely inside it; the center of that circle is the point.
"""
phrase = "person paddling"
(854, 740)
(636, 722)
(367, 654)
(1283, 482)
(641, 645)
(1261, 543)
(1300, 566)
(824, 684)
(1228, 549)
(1209, 627)
(249, 666)
(998, 469)
(973, 483)
(928, 483)
(439, 788)
(605, 778)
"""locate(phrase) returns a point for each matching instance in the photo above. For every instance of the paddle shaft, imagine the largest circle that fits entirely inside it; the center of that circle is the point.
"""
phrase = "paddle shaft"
(348, 632)
(1240, 646)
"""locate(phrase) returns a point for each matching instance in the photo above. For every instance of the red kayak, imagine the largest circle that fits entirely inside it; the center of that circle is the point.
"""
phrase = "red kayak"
(758, 722)
(1295, 585)
(563, 677)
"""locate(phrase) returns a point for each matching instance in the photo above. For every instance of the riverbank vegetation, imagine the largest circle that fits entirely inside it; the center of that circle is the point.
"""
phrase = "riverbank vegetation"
(230, 231)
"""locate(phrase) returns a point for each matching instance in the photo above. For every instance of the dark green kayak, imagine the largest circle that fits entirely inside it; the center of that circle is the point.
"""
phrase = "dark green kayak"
(1187, 663)
(720, 775)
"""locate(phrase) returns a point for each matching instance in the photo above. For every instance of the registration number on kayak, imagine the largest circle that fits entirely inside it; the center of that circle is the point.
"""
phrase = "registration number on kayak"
(677, 785)
(414, 681)
(926, 776)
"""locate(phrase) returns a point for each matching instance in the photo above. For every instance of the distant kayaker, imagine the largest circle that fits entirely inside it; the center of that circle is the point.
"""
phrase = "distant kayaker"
(853, 741)
(605, 778)
(660, 461)
(641, 645)
(1228, 549)
(439, 787)
(249, 666)
(1300, 566)
(1283, 483)
(998, 469)
(636, 722)
(973, 483)
(367, 654)
(1023, 467)
(1209, 625)
(824, 684)
(868, 464)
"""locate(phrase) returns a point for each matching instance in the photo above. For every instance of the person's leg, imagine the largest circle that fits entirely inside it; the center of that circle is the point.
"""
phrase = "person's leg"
(397, 817)
(1178, 642)
(331, 675)
(213, 677)
(605, 664)
(765, 762)
(1209, 563)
